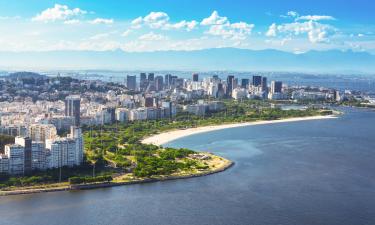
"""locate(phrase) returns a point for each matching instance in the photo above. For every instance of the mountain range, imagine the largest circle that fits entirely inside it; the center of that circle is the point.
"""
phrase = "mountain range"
(332, 61)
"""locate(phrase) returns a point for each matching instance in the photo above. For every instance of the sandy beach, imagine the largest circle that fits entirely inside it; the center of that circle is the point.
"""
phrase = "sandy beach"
(160, 139)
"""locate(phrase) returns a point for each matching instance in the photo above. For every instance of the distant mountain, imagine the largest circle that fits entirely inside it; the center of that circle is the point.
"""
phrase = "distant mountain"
(25, 75)
(199, 60)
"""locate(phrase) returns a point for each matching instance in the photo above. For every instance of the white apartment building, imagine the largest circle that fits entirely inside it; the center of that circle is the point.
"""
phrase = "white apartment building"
(122, 114)
(42, 132)
(38, 156)
(16, 156)
(4, 164)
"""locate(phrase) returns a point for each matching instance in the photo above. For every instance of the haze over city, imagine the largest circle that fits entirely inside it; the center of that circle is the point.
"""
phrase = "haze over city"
(181, 112)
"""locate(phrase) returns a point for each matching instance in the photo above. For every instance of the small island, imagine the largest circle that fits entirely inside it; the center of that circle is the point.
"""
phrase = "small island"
(122, 153)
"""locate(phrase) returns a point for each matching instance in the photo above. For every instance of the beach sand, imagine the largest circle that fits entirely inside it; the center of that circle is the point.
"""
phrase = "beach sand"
(163, 138)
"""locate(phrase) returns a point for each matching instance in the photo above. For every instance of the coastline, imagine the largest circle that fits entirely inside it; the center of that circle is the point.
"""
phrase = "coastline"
(165, 137)
(226, 165)
(160, 139)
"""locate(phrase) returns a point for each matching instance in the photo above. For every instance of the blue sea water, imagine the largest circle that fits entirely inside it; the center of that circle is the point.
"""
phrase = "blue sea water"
(299, 173)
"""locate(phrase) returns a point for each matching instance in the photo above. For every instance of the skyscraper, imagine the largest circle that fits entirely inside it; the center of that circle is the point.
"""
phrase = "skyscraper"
(159, 83)
(195, 77)
(276, 87)
(230, 81)
(143, 81)
(264, 84)
(151, 77)
(25, 142)
(257, 81)
(16, 156)
(168, 80)
(73, 108)
(244, 83)
(131, 82)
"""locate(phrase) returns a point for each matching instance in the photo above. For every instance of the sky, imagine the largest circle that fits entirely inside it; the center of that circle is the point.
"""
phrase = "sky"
(158, 25)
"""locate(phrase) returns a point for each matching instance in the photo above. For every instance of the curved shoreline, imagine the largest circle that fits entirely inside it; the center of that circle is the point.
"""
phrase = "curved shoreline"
(226, 166)
(165, 137)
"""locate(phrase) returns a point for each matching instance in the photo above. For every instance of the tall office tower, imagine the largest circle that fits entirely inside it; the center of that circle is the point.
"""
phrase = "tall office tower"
(151, 77)
(167, 80)
(16, 156)
(195, 77)
(73, 108)
(235, 83)
(276, 87)
(230, 81)
(42, 132)
(174, 81)
(159, 83)
(143, 81)
(264, 84)
(131, 82)
(244, 83)
(220, 91)
(76, 134)
(257, 81)
(25, 142)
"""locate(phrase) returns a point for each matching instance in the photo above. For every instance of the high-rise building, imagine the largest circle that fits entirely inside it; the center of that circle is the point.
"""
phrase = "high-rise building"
(195, 77)
(276, 87)
(244, 83)
(25, 142)
(151, 77)
(16, 156)
(264, 84)
(230, 82)
(4, 164)
(257, 81)
(42, 132)
(76, 134)
(159, 83)
(66, 151)
(168, 80)
(143, 81)
(38, 156)
(73, 108)
(131, 82)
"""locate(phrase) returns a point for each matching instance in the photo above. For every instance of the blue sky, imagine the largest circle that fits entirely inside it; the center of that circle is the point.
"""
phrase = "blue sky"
(150, 25)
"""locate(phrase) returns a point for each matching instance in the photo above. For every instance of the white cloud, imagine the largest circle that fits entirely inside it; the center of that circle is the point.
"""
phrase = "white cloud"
(126, 33)
(272, 31)
(315, 17)
(99, 36)
(160, 20)
(73, 21)
(186, 25)
(137, 23)
(221, 26)
(58, 12)
(153, 37)
(214, 19)
(102, 21)
(308, 25)
(290, 14)
(156, 19)
(316, 32)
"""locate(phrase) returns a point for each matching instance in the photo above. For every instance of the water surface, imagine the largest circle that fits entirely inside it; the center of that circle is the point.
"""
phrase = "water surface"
(309, 172)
